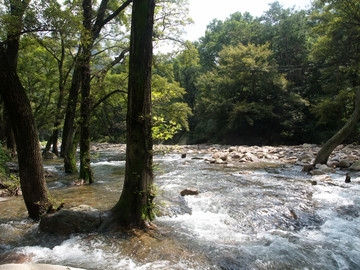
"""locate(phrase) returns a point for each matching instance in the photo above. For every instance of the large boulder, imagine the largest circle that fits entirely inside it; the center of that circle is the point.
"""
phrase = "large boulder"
(49, 155)
(68, 221)
(355, 166)
(344, 163)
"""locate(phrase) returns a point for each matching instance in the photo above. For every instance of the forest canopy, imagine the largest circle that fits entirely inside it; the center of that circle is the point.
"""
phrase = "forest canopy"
(286, 77)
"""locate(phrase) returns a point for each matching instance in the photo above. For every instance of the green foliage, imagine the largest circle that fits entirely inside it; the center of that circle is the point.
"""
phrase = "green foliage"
(150, 210)
(170, 113)
(246, 92)
(336, 51)
(8, 181)
(4, 157)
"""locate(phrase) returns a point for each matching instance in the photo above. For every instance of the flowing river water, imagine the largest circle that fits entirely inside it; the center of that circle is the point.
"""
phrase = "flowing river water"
(257, 216)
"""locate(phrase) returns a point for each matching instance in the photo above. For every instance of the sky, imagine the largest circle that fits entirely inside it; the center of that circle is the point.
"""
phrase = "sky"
(204, 11)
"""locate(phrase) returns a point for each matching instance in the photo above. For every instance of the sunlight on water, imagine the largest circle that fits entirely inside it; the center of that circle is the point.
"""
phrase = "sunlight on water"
(259, 217)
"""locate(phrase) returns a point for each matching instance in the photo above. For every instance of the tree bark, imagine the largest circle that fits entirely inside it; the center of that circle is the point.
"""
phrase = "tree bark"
(19, 111)
(134, 207)
(92, 32)
(68, 130)
(20, 114)
(70, 157)
(85, 170)
(325, 151)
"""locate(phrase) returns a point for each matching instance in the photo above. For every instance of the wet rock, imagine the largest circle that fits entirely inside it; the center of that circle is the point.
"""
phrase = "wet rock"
(235, 155)
(344, 163)
(67, 222)
(152, 246)
(316, 172)
(293, 214)
(183, 155)
(220, 161)
(83, 207)
(305, 158)
(232, 149)
(13, 257)
(36, 267)
(13, 166)
(49, 155)
(307, 145)
(324, 168)
(307, 168)
(189, 191)
(78, 182)
(49, 174)
(4, 193)
(355, 166)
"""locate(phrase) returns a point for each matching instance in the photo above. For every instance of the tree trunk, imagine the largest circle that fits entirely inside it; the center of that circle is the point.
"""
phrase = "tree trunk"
(29, 155)
(68, 130)
(85, 169)
(325, 151)
(9, 133)
(134, 207)
(70, 151)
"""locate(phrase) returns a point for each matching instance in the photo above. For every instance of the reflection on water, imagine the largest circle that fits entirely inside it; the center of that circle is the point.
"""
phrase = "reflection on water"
(266, 216)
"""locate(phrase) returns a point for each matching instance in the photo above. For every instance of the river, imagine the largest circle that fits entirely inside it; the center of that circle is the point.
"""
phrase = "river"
(254, 216)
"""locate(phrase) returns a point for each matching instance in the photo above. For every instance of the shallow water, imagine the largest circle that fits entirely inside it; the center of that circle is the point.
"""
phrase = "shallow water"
(266, 216)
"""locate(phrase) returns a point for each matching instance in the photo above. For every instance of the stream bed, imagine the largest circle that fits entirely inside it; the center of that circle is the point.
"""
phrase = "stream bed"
(254, 216)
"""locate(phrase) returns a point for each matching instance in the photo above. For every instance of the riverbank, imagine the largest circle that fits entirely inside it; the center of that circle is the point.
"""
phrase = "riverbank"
(344, 156)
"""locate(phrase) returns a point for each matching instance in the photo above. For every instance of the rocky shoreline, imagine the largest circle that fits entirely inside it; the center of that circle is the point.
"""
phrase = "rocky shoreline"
(343, 157)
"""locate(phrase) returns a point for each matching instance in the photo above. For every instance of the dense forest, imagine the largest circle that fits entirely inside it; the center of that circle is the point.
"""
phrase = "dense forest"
(286, 77)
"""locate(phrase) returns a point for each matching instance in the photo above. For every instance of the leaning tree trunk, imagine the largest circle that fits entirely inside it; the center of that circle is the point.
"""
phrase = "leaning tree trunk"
(20, 114)
(325, 151)
(134, 207)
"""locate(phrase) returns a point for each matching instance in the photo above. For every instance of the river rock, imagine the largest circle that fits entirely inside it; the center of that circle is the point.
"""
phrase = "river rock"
(189, 191)
(13, 166)
(83, 207)
(344, 163)
(305, 158)
(355, 166)
(36, 267)
(67, 222)
(13, 257)
(3, 193)
(324, 168)
(316, 172)
(49, 155)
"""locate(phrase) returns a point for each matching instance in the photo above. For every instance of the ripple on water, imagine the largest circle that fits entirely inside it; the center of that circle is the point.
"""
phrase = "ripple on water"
(247, 217)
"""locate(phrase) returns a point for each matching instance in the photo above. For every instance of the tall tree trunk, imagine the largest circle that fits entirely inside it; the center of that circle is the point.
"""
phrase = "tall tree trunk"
(85, 169)
(20, 114)
(325, 151)
(67, 145)
(134, 207)
(68, 130)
